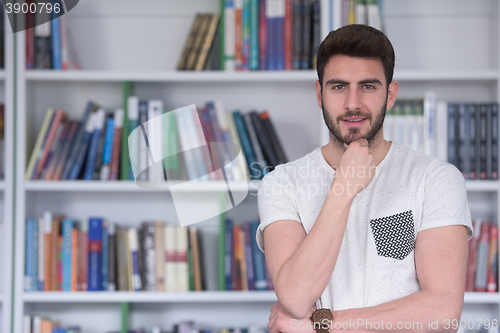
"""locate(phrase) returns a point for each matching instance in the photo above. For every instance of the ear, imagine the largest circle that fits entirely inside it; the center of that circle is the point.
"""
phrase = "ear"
(318, 94)
(392, 94)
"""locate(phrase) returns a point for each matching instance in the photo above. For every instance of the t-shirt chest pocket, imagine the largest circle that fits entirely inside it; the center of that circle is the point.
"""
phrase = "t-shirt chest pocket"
(394, 235)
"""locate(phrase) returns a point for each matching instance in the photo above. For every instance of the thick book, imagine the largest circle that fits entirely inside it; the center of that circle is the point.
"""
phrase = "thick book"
(273, 134)
(229, 35)
(82, 148)
(121, 256)
(189, 42)
(94, 145)
(198, 41)
(95, 254)
(67, 229)
(264, 140)
(253, 165)
(206, 42)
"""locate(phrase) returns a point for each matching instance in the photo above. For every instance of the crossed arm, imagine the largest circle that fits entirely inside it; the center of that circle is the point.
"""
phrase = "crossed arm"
(300, 275)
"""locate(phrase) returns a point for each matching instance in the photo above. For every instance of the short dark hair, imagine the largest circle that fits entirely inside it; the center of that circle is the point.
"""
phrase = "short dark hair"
(356, 40)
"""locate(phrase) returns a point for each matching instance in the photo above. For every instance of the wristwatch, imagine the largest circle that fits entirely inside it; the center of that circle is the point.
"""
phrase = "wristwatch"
(321, 319)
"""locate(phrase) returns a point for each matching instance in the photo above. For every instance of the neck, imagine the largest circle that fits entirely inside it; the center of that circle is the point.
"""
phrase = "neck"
(334, 150)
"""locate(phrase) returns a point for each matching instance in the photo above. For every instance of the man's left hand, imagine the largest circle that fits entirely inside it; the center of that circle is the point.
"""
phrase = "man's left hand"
(281, 321)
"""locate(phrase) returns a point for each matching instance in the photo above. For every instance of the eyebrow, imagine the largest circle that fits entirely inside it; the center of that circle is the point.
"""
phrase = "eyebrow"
(366, 81)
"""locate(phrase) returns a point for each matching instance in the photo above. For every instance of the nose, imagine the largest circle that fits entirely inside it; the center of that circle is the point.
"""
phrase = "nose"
(353, 101)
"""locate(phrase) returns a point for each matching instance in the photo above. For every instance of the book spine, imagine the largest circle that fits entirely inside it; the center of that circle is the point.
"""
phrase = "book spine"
(253, 166)
(56, 40)
(236, 260)
(228, 236)
(143, 149)
(316, 31)
(170, 259)
(492, 284)
(248, 256)
(134, 248)
(306, 35)
(483, 125)
(67, 229)
(182, 264)
(65, 150)
(452, 134)
(39, 142)
(471, 109)
(95, 254)
(108, 149)
(463, 140)
(48, 257)
(163, 240)
(115, 157)
(41, 249)
(74, 257)
(246, 35)
(263, 35)
(255, 144)
(28, 269)
(264, 140)
(254, 34)
(105, 255)
(148, 245)
(258, 260)
(94, 142)
(288, 35)
(30, 38)
(64, 43)
(121, 234)
(274, 138)
(112, 257)
(229, 35)
(79, 137)
(297, 36)
(82, 149)
(243, 260)
(196, 258)
(271, 35)
(280, 34)
(494, 141)
(482, 259)
(56, 152)
(45, 148)
(84, 263)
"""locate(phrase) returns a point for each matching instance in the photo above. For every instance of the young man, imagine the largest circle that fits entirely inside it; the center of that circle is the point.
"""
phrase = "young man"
(368, 229)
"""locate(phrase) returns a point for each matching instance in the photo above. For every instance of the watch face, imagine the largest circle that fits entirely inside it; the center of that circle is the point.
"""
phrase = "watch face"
(321, 314)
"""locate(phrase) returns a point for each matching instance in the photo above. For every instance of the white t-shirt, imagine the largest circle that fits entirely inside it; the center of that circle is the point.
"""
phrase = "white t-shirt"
(410, 192)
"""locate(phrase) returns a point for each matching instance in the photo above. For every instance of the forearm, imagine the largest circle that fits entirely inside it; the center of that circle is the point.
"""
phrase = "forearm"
(305, 275)
(423, 311)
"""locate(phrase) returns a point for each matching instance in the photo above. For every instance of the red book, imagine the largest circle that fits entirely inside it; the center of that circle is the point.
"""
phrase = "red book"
(493, 261)
(238, 14)
(30, 38)
(117, 142)
(288, 34)
(59, 263)
(84, 250)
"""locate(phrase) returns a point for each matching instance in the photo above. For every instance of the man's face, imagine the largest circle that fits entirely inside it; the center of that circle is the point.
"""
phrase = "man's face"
(354, 98)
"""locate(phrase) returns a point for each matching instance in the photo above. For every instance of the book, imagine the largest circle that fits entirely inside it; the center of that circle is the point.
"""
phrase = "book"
(95, 254)
(117, 137)
(38, 144)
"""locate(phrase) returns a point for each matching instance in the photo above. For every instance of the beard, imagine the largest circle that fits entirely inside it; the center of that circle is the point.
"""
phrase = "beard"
(353, 132)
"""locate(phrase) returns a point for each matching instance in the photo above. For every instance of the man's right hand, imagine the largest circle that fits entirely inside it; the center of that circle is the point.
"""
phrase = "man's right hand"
(356, 168)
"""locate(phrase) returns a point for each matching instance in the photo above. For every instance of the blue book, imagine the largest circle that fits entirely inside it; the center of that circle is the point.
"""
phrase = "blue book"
(270, 36)
(74, 148)
(258, 260)
(94, 144)
(95, 254)
(254, 34)
(228, 253)
(55, 26)
(31, 260)
(83, 148)
(108, 148)
(249, 256)
(280, 36)
(67, 230)
(253, 166)
(105, 258)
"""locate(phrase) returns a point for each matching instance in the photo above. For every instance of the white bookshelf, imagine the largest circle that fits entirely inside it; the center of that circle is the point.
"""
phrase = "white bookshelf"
(7, 184)
(114, 42)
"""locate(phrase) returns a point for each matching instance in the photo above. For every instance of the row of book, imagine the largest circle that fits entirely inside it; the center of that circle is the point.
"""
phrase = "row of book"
(39, 324)
(482, 263)
(368, 12)
(186, 143)
(49, 45)
(63, 254)
(463, 134)
(254, 35)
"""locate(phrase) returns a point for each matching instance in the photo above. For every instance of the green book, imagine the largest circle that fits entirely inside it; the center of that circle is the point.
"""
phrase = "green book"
(125, 159)
(190, 265)
(170, 145)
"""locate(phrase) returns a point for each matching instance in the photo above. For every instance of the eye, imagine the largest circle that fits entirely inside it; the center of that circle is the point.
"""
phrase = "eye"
(338, 87)
(368, 87)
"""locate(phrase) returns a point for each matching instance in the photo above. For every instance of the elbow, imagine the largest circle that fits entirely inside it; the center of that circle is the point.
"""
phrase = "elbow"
(449, 321)
(294, 305)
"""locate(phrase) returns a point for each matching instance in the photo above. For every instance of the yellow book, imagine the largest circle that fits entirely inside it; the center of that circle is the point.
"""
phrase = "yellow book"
(38, 144)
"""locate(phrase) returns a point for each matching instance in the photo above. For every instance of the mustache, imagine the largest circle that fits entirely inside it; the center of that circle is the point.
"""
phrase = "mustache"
(349, 114)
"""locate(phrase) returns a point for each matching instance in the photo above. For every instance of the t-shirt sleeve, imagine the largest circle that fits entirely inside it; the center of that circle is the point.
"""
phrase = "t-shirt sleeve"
(445, 198)
(276, 202)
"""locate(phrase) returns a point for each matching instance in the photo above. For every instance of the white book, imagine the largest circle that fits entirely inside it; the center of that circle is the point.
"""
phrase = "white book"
(242, 163)
(197, 139)
(442, 130)
(26, 324)
(171, 273)
(232, 170)
(134, 248)
(37, 324)
(154, 133)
